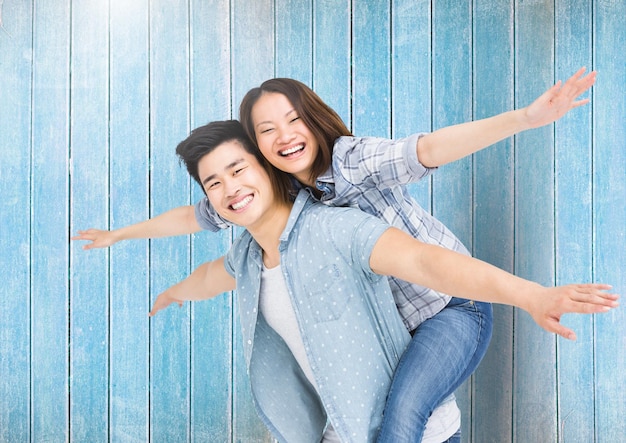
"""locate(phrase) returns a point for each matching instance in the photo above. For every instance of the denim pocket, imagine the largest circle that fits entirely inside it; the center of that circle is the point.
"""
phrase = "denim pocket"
(327, 294)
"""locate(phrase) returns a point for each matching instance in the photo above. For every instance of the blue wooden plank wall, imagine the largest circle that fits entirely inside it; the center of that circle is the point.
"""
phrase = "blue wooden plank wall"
(94, 97)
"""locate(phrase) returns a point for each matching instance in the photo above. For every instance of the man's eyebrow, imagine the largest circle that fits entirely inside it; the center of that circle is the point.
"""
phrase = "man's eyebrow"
(228, 166)
(269, 122)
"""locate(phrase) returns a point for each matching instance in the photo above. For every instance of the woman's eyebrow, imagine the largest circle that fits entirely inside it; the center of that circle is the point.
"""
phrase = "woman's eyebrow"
(269, 122)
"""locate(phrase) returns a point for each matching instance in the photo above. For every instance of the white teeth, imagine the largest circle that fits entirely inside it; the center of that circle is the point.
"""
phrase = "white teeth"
(241, 204)
(292, 150)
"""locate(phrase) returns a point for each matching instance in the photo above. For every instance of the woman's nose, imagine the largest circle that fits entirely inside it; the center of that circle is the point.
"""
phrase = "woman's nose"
(285, 134)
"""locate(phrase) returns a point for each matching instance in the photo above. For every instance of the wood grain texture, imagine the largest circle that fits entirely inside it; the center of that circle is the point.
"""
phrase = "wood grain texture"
(96, 96)
(89, 291)
(170, 372)
(573, 225)
(253, 61)
(609, 213)
(332, 61)
(534, 350)
(49, 233)
(129, 135)
(411, 80)
(16, 36)
(371, 97)
(493, 213)
(211, 321)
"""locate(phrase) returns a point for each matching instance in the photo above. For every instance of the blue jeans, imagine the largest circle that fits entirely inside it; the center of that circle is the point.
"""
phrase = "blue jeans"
(442, 354)
(456, 438)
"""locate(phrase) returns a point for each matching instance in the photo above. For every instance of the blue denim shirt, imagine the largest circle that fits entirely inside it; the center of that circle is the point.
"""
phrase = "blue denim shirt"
(352, 332)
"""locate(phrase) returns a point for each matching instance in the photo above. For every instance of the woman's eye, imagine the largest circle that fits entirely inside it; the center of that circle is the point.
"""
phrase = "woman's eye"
(265, 131)
(294, 119)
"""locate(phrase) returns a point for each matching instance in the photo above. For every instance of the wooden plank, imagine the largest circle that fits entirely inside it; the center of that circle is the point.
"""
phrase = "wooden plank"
(49, 282)
(609, 195)
(128, 177)
(411, 106)
(371, 85)
(294, 40)
(252, 36)
(211, 321)
(534, 384)
(452, 104)
(89, 299)
(332, 55)
(493, 216)
(15, 217)
(573, 223)
(170, 402)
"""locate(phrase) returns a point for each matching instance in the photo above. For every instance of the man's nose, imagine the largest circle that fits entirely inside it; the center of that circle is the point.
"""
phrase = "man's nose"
(231, 187)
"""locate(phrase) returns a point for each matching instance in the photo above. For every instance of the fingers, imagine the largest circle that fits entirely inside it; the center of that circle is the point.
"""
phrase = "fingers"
(595, 293)
(580, 103)
(89, 234)
(157, 306)
(161, 303)
(99, 238)
(585, 299)
(562, 331)
(575, 85)
(589, 298)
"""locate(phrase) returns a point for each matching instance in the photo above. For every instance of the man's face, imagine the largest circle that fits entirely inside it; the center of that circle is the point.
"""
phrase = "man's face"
(236, 184)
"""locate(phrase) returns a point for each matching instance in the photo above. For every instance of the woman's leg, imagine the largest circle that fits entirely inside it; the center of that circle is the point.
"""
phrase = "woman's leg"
(442, 354)
(456, 438)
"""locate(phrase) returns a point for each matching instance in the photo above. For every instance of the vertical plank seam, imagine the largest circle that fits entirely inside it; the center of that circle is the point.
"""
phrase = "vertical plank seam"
(312, 38)
(190, 244)
(108, 224)
(231, 375)
(593, 220)
(390, 41)
(555, 264)
(472, 387)
(31, 222)
(514, 233)
(70, 214)
(149, 203)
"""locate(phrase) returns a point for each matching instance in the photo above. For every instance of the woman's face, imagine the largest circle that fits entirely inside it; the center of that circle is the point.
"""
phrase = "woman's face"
(282, 136)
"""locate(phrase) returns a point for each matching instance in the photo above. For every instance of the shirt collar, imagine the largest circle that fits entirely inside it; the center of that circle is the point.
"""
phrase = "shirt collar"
(326, 177)
(303, 199)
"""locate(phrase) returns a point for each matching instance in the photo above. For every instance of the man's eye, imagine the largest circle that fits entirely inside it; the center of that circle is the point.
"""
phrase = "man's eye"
(212, 185)
(237, 171)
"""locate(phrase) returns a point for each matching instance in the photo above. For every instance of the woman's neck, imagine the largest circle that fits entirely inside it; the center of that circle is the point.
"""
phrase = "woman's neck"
(305, 179)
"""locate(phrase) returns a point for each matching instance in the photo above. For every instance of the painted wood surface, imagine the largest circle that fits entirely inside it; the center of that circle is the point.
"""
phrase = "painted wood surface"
(96, 95)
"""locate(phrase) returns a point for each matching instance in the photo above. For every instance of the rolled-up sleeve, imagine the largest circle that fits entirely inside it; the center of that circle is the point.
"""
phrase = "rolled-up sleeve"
(378, 162)
(208, 218)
